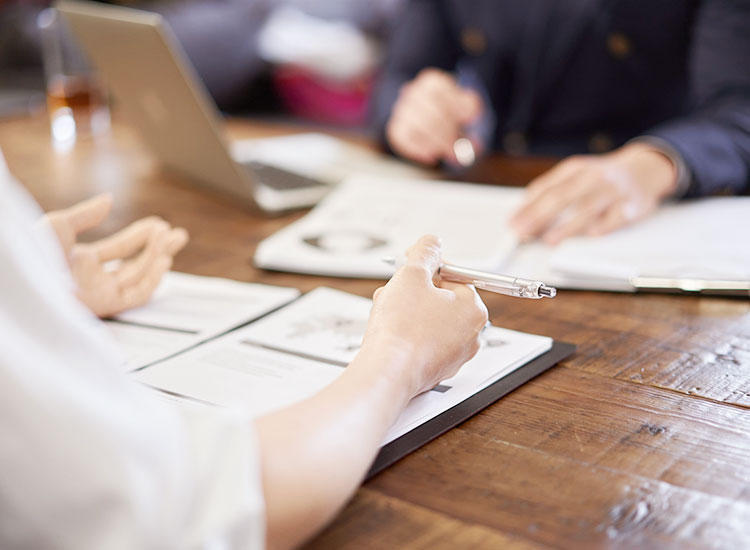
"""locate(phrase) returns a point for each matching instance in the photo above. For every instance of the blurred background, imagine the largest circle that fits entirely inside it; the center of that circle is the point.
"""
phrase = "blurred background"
(313, 60)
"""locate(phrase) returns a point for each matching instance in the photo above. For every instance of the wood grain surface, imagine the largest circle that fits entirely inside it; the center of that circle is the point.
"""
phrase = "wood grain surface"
(640, 440)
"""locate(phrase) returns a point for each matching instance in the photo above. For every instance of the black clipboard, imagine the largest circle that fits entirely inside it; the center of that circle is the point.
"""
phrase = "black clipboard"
(411, 441)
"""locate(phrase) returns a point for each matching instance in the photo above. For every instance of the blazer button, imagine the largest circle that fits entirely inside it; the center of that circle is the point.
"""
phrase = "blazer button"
(619, 45)
(473, 41)
(600, 143)
(515, 143)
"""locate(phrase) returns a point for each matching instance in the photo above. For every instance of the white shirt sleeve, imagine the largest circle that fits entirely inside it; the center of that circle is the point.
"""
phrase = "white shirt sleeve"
(89, 459)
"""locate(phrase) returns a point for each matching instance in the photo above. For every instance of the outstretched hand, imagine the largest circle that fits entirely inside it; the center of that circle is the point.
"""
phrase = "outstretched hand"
(595, 194)
(121, 271)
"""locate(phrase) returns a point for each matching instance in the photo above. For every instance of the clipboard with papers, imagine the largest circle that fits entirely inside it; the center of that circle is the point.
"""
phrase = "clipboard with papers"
(301, 344)
(437, 426)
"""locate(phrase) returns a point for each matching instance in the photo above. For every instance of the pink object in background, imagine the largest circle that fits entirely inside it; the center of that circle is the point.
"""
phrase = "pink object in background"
(326, 100)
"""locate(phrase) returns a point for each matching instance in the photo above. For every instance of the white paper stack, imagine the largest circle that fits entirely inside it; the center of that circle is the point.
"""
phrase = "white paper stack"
(705, 240)
(366, 219)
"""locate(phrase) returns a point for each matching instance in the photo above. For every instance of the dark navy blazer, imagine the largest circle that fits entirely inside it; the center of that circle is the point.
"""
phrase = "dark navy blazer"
(577, 76)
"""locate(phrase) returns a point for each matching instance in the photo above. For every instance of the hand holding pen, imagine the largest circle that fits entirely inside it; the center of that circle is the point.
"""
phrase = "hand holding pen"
(491, 282)
(432, 119)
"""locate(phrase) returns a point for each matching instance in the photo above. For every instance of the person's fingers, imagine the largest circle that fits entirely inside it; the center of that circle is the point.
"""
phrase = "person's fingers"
(464, 292)
(402, 141)
(177, 239)
(555, 201)
(425, 255)
(459, 289)
(580, 217)
(439, 85)
(412, 136)
(469, 295)
(453, 102)
(425, 132)
(84, 264)
(426, 119)
(608, 221)
(129, 240)
(475, 310)
(377, 293)
(556, 175)
(435, 121)
(445, 101)
(139, 293)
(522, 216)
(406, 142)
(87, 214)
(135, 269)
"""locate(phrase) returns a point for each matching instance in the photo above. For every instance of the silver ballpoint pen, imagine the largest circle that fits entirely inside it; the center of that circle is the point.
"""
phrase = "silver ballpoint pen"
(492, 282)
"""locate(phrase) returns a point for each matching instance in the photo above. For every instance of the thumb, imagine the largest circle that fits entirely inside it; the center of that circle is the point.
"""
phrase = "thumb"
(87, 214)
(426, 253)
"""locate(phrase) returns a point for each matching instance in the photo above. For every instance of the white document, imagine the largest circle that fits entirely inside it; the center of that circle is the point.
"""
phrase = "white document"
(367, 219)
(187, 310)
(704, 239)
(532, 261)
(294, 352)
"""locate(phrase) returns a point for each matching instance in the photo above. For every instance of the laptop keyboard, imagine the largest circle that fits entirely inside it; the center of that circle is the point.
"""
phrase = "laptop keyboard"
(278, 178)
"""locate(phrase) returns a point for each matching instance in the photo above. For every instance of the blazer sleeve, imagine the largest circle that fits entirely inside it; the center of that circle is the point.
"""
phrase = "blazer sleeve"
(419, 38)
(714, 137)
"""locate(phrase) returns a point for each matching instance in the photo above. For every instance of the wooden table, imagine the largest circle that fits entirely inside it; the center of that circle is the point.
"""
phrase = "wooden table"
(640, 440)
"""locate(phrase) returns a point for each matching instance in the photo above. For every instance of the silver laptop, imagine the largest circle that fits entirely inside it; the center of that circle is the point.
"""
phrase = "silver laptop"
(156, 84)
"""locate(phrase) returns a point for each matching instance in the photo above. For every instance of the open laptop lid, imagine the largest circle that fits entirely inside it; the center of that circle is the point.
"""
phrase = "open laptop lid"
(156, 84)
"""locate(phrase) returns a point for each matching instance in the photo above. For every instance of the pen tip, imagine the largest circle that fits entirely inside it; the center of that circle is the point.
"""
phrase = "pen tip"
(547, 291)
